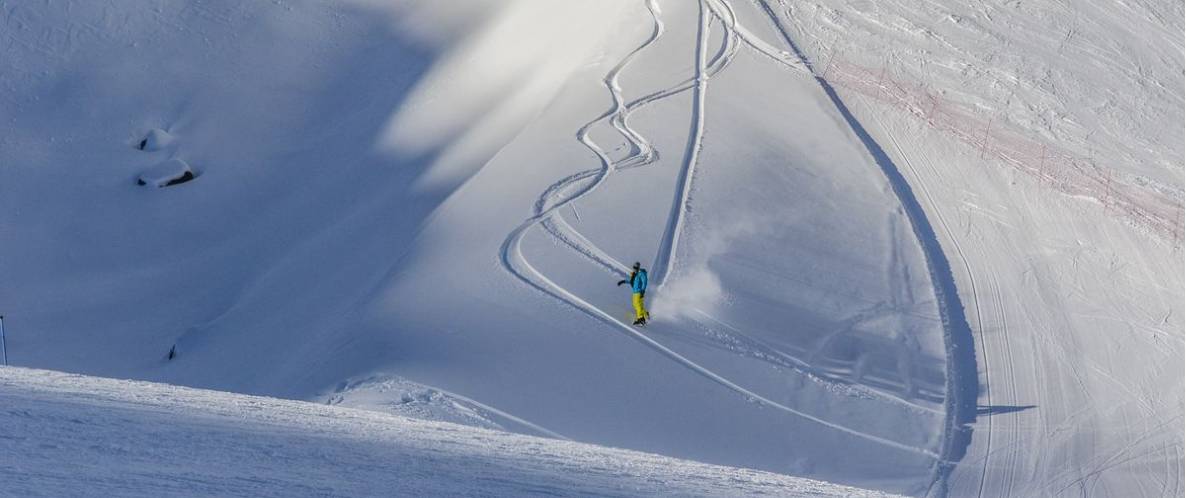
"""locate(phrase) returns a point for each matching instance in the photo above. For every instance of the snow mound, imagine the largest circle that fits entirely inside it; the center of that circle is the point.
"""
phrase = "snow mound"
(403, 397)
(167, 174)
(71, 435)
(155, 140)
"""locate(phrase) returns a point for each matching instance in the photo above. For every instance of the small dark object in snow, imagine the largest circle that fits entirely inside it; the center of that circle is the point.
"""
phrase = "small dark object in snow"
(189, 175)
(167, 174)
(156, 139)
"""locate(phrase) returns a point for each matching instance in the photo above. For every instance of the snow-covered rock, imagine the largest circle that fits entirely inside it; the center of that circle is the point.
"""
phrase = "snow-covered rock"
(155, 140)
(166, 174)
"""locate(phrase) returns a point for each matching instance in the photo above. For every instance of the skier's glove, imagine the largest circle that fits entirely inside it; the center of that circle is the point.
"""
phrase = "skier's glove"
(620, 282)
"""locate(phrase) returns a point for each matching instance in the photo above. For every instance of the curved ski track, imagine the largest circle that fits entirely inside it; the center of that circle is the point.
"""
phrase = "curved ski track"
(642, 153)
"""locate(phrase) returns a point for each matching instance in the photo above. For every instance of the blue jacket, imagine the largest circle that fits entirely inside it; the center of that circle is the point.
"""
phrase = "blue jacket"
(638, 281)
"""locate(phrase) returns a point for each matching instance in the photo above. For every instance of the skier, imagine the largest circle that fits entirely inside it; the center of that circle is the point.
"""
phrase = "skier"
(638, 284)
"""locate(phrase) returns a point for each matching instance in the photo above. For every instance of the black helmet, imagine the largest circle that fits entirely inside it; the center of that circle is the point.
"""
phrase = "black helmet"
(637, 265)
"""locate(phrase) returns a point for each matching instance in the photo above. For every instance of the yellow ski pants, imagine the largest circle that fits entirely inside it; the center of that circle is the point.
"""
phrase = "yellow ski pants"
(640, 311)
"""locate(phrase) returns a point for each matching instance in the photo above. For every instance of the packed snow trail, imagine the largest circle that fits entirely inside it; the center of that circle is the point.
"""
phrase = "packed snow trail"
(1152, 206)
(1072, 291)
(999, 466)
(516, 263)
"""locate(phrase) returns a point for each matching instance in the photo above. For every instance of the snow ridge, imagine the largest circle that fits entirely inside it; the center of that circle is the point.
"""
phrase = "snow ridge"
(73, 435)
(962, 382)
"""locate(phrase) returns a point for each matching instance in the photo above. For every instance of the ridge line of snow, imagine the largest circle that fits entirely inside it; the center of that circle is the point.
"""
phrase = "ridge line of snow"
(975, 302)
(803, 68)
(70, 434)
(962, 380)
(496, 411)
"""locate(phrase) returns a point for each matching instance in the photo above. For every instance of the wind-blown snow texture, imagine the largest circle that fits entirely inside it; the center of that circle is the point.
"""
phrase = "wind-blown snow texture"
(926, 249)
(70, 435)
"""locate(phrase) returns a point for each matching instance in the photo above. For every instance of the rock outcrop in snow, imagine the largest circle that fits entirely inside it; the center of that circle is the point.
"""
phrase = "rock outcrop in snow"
(167, 174)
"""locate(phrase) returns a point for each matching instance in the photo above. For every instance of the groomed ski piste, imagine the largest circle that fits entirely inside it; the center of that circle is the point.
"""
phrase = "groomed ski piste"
(917, 249)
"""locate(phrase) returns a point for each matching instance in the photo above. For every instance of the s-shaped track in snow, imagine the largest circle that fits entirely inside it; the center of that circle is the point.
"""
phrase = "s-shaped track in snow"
(558, 195)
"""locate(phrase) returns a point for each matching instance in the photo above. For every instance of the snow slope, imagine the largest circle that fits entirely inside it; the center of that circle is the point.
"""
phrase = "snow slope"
(1046, 142)
(71, 435)
(911, 248)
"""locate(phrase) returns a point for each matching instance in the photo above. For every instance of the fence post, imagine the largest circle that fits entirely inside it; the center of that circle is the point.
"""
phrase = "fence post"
(934, 105)
(1042, 167)
(880, 81)
(832, 53)
(1176, 227)
(3, 342)
(987, 135)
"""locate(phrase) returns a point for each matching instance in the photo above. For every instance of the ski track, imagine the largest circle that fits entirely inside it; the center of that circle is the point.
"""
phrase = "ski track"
(669, 244)
(562, 230)
(541, 431)
(806, 368)
(554, 198)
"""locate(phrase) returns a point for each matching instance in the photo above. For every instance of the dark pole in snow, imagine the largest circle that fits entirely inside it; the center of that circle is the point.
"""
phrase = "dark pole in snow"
(3, 343)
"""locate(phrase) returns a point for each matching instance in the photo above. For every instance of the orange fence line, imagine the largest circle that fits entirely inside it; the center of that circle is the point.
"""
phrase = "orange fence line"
(1064, 171)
